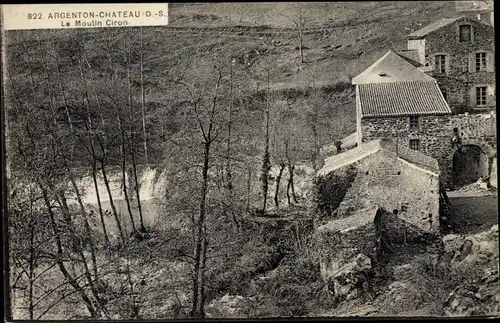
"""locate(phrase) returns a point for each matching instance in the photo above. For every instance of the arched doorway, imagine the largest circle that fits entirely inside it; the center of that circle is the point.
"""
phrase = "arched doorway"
(470, 163)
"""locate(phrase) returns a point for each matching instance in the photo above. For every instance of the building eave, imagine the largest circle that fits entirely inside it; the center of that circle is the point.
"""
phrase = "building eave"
(397, 115)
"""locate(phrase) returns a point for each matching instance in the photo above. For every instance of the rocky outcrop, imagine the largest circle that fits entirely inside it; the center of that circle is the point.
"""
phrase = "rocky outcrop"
(468, 300)
(229, 306)
(351, 278)
(475, 250)
(347, 249)
(478, 293)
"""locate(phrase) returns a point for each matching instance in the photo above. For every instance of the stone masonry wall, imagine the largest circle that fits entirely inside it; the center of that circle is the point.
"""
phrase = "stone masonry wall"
(436, 134)
(382, 177)
(460, 81)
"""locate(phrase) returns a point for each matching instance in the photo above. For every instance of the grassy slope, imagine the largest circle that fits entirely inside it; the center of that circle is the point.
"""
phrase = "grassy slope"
(366, 30)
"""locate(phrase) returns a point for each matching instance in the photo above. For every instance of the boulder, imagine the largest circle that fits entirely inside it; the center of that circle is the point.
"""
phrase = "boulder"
(476, 298)
(348, 280)
(452, 242)
(478, 249)
(229, 306)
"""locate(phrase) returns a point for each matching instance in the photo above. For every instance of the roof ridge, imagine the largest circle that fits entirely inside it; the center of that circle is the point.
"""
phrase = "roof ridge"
(407, 81)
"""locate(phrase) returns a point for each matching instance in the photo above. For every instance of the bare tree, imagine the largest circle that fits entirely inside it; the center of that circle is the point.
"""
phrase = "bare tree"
(297, 16)
(266, 158)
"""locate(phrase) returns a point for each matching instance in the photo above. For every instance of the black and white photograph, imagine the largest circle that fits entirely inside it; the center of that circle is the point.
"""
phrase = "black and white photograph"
(249, 160)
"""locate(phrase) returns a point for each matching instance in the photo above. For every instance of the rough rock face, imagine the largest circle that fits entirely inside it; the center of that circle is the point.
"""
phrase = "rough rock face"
(479, 296)
(480, 299)
(478, 249)
(348, 281)
(230, 306)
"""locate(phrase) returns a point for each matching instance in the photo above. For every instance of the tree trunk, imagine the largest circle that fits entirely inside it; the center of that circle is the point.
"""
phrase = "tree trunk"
(278, 181)
(201, 303)
(31, 264)
(61, 85)
(96, 187)
(290, 187)
(124, 174)
(90, 132)
(229, 173)
(79, 250)
(197, 310)
(143, 100)
(137, 186)
(111, 202)
(87, 226)
(300, 46)
(59, 258)
(249, 188)
(99, 204)
(292, 169)
(266, 163)
(122, 130)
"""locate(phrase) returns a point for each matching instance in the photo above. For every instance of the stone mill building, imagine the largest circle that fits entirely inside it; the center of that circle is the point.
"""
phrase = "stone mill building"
(437, 97)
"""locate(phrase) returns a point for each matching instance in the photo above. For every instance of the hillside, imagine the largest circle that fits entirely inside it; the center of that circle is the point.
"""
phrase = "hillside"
(343, 38)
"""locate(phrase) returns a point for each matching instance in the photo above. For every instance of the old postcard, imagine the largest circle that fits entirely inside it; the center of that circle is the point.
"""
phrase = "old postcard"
(249, 160)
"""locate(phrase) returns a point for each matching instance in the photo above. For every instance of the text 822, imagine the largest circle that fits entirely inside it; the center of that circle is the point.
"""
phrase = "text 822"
(34, 16)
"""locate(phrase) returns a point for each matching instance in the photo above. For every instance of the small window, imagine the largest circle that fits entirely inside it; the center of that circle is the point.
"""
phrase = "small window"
(440, 63)
(481, 96)
(481, 62)
(465, 33)
(415, 144)
(414, 123)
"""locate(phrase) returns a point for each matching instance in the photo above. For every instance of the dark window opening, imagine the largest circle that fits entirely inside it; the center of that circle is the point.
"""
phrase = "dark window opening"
(480, 62)
(465, 33)
(481, 96)
(415, 144)
(440, 63)
(455, 129)
(413, 123)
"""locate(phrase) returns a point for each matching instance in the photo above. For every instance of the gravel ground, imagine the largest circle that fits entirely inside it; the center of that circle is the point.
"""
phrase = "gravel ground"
(472, 214)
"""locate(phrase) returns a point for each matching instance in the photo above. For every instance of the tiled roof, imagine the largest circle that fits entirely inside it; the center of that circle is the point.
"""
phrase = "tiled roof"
(402, 99)
(433, 27)
(391, 68)
(364, 150)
